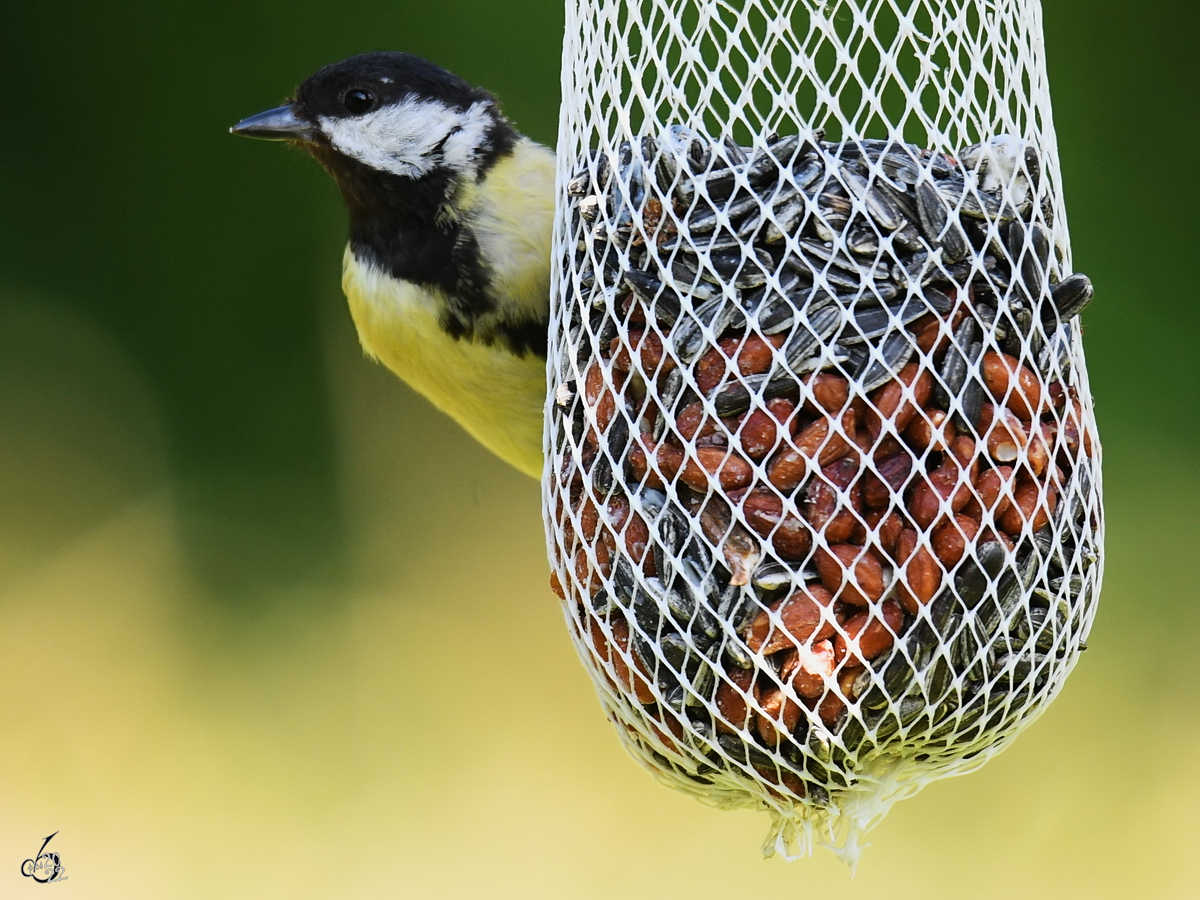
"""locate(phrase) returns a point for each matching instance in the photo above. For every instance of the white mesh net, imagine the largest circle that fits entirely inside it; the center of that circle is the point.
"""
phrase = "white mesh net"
(823, 489)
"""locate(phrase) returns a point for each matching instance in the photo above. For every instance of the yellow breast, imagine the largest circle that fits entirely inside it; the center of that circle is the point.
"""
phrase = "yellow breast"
(495, 395)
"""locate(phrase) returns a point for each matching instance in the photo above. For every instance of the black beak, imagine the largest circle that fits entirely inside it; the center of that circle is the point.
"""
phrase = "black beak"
(279, 124)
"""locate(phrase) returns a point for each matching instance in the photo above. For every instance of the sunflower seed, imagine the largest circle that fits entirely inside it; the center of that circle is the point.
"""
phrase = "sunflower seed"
(1070, 297)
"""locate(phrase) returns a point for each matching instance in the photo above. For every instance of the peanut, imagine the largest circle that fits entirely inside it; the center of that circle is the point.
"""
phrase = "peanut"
(990, 488)
(692, 423)
(886, 402)
(1007, 439)
(792, 540)
(830, 708)
(789, 467)
(814, 667)
(1028, 506)
(833, 503)
(947, 482)
(1041, 439)
(827, 393)
(962, 448)
(922, 574)
(754, 354)
(924, 504)
(710, 370)
(853, 574)
(866, 636)
(601, 402)
(888, 446)
(758, 434)
(650, 353)
(846, 679)
(889, 533)
(878, 489)
(637, 680)
(801, 616)
(635, 534)
(784, 411)
(951, 538)
(732, 698)
(932, 430)
(705, 464)
(926, 330)
(1012, 384)
(775, 709)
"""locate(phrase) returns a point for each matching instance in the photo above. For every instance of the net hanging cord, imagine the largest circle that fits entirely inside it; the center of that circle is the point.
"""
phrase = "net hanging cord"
(822, 487)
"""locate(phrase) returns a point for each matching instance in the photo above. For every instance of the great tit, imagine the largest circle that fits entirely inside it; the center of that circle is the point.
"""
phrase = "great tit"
(447, 271)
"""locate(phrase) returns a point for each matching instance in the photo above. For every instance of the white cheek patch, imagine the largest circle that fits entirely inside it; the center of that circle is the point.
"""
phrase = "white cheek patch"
(404, 138)
(462, 145)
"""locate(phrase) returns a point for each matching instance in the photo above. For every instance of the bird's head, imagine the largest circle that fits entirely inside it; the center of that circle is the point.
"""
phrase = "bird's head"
(393, 114)
(411, 146)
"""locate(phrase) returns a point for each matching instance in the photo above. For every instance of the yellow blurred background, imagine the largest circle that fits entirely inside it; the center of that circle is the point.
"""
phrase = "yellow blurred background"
(424, 729)
(272, 627)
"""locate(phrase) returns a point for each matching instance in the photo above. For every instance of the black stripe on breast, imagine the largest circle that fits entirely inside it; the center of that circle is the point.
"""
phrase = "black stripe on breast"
(522, 337)
(397, 226)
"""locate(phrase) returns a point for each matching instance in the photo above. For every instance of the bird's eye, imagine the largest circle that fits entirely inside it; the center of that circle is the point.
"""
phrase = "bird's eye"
(358, 101)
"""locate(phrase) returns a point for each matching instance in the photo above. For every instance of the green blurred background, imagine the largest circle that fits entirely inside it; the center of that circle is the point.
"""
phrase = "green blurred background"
(271, 627)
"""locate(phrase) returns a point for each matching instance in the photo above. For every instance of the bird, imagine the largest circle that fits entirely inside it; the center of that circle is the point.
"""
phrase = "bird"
(447, 268)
